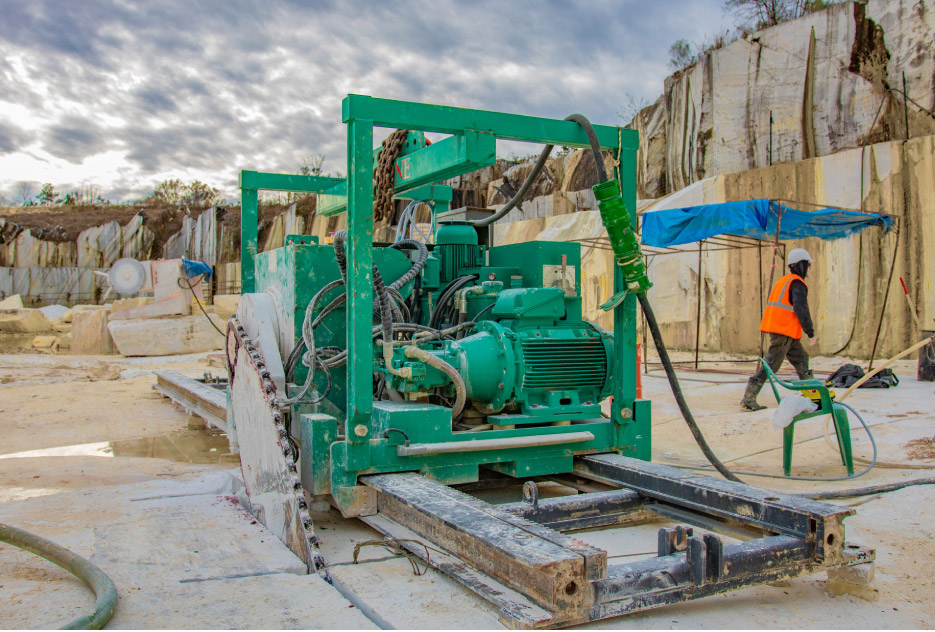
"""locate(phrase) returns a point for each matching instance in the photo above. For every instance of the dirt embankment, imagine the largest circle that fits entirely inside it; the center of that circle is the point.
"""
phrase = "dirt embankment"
(64, 223)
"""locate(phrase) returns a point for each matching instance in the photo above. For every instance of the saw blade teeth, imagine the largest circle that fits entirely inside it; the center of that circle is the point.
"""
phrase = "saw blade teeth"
(315, 561)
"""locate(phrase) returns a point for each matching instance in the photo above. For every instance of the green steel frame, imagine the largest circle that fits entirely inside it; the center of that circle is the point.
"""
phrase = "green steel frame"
(252, 182)
(362, 114)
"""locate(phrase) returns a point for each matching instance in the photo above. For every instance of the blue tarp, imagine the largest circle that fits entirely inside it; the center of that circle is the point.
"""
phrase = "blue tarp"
(194, 268)
(754, 218)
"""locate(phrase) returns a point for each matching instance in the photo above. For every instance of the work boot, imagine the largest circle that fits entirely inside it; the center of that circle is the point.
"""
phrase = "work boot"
(807, 375)
(748, 403)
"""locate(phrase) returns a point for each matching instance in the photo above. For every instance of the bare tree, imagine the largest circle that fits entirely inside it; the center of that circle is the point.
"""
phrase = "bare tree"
(311, 165)
(25, 190)
(765, 13)
(631, 107)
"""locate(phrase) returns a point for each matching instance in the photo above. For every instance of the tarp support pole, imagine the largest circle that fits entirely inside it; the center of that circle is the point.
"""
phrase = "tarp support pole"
(698, 309)
(886, 295)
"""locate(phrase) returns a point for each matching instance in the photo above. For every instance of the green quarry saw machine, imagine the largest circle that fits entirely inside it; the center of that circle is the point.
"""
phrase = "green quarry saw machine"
(389, 380)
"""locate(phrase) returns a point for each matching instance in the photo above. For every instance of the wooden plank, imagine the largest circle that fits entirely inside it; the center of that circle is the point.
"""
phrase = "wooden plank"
(550, 574)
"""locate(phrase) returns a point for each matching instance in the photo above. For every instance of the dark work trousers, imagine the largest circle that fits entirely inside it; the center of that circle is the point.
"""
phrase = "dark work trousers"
(783, 348)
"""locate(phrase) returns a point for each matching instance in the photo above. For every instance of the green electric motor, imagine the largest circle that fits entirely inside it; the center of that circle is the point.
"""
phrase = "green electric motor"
(529, 362)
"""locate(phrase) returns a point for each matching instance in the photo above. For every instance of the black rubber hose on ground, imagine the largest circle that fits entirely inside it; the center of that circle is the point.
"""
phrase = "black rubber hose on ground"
(866, 491)
(677, 391)
(81, 568)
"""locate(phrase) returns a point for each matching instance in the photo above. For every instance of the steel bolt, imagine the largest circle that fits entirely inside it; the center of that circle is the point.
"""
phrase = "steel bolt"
(360, 430)
(626, 413)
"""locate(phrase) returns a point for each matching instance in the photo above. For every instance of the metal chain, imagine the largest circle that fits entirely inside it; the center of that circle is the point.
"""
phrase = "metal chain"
(384, 178)
(316, 562)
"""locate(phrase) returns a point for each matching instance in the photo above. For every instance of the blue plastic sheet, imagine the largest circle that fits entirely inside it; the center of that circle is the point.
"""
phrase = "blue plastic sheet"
(753, 218)
(195, 268)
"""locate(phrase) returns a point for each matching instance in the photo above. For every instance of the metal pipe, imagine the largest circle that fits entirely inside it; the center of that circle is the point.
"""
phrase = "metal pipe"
(505, 443)
(81, 568)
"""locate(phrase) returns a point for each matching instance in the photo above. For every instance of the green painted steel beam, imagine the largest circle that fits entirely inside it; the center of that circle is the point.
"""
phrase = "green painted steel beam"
(336, 203)
(359, 403)
(445, 159)
(248, 239)
(452, 120)
(286, 182)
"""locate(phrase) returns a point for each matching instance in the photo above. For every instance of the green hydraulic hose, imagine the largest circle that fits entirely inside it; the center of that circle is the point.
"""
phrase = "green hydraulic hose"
(81, 568)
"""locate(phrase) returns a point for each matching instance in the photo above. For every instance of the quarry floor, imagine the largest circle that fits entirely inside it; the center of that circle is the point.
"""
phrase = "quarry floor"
(94, 459)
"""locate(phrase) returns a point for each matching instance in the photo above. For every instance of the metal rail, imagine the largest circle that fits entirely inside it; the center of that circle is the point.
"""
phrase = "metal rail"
(516, 555)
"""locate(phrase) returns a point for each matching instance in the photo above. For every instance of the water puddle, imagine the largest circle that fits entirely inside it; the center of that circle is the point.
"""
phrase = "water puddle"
(200, 447)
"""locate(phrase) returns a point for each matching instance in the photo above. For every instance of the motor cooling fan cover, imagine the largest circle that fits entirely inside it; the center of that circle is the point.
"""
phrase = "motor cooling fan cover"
(127, 276)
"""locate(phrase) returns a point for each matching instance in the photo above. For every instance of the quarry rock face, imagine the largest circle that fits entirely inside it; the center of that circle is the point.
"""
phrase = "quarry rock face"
(166, 336)
(848, 282)
(89, 333)
(822, 77)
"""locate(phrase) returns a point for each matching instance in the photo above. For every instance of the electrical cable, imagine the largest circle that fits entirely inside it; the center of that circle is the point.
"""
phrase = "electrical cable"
(873, 462)
(866, 491)
(192, 288)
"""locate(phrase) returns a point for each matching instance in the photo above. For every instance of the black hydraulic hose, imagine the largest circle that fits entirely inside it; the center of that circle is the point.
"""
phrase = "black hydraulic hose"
(81, 568)
(677, 391)
(516, 199)
(866, 491)
(338, 242)
(410, 244)
(446, 296)
(386, 313)
(654, 326)
(581, 120)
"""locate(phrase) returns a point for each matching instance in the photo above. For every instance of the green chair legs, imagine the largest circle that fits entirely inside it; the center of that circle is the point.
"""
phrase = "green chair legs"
(842, 432)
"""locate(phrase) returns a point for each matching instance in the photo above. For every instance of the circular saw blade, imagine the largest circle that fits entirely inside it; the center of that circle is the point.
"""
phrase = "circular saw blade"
(126, 276)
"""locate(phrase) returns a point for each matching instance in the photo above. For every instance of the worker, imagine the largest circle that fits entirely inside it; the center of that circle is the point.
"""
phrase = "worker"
(785, 318)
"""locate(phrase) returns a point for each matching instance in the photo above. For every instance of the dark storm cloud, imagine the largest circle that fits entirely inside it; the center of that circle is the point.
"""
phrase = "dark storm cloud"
(74, 139)
(12, 138)
(214, 87)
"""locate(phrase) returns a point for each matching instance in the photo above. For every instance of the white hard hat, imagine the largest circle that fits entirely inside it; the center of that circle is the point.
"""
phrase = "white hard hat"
(798, 254)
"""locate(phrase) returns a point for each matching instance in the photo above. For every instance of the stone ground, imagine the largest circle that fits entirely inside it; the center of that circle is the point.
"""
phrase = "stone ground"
(94, 459)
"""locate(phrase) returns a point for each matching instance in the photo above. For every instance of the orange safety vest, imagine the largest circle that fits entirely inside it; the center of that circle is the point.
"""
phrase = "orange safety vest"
(779, 317)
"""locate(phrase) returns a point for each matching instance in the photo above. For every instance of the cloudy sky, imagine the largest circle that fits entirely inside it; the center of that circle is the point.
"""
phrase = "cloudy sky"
(122, 95)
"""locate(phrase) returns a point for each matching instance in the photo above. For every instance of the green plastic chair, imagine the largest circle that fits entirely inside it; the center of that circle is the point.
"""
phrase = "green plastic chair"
(827, 407)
